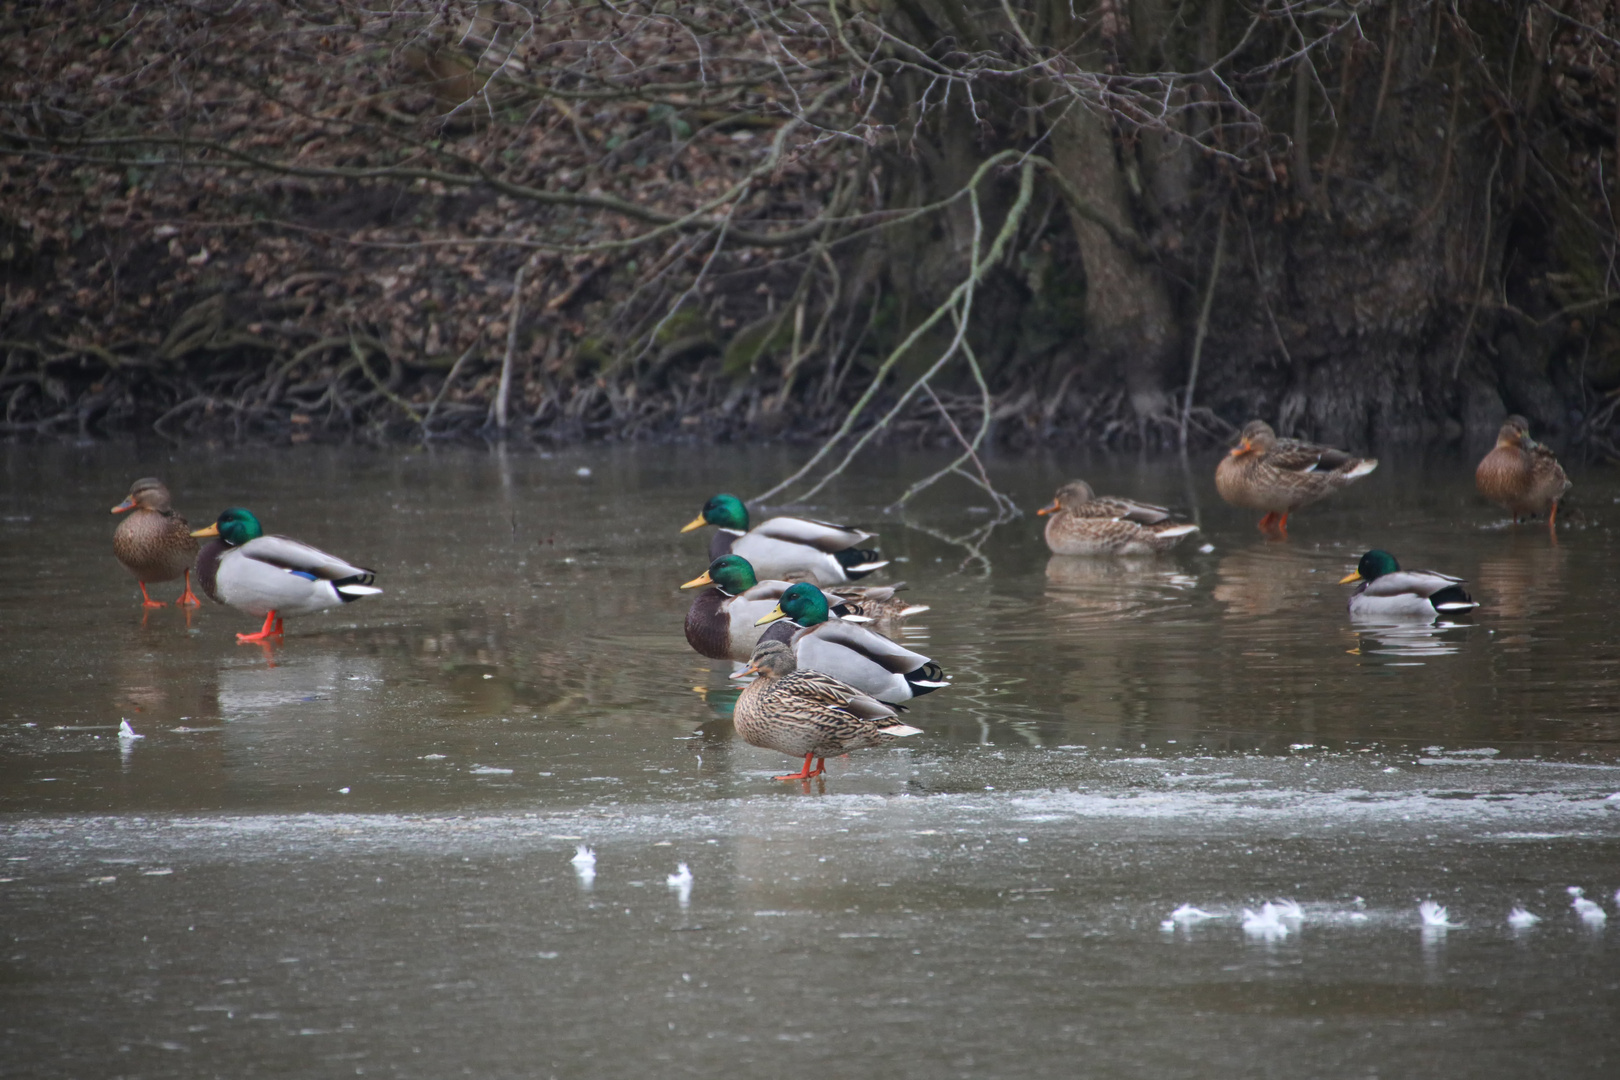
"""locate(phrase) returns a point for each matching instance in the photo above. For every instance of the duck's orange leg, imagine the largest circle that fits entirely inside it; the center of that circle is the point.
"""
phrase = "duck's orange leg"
(1282, 525)
(804, 773)
(272, 627)
(1267, 522)
(188, 598)
(147, 601)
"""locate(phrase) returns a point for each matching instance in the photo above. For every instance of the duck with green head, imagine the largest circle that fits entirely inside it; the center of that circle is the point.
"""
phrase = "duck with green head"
(796, 711)
(273, 576)
(861, 657)
(723, 621)
(787, 547)
(1387, 591)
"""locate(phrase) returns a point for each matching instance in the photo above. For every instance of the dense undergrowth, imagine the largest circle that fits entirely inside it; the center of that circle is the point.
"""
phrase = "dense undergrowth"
(1027, 222)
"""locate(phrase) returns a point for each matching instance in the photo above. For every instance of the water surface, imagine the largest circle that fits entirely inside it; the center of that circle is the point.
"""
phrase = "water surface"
(349, 852)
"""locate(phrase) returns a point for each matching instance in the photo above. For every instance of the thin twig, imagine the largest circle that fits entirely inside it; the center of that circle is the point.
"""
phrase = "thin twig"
(1203, 325)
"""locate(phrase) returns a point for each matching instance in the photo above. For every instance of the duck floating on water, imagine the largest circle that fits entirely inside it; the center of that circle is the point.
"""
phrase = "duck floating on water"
(1388, 591)
(863, 658)
(1084, 523)
(1521, 475)
(1263, 472)
(788, 548)
(273, 576)
(154, 543)
(810, 713)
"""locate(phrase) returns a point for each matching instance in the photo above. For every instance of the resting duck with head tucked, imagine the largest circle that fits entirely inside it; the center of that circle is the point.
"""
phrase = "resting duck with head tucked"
(800, 711)
(154, 543)
(788, 547)
(1263, 472)
(723, 621)
(273, 576)
(1388, 591)
(1083, 523)
(863, 658)
(1521, 475)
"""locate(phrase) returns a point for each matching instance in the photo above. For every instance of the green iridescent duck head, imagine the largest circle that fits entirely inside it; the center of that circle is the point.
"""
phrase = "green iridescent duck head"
(235, 526)
(803, 603)
(732, 573)
(726, 511)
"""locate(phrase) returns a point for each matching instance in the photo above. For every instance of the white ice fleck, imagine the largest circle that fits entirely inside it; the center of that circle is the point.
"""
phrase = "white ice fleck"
(343, 791)
(489, 770)
(1435, 915)
(583, 470)
(1591, 914)
(1189, 914)
(1520, 919)
(681, 882)
(1290, 909)
(1168, 926)
(584, 861)
(1266, 923)
(127, 733)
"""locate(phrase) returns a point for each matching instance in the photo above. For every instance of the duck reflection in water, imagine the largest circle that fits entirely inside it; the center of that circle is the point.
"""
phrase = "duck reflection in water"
(1524, 580)
(1265, 581)
(1115, 586)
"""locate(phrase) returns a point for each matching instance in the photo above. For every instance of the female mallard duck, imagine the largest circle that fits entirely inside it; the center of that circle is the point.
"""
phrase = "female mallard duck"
(723, 622)
(1388, 591)
(787, 547)
(1084, 524)
(273, 576)
(1279, 476)
(154, 543)
(1521, 475)
(863, 658)
(797, 711)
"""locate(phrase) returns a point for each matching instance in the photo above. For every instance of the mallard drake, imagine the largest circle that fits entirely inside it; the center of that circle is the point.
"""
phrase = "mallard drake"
(1521, 475)
(723, 621)
(154, 543)
(799, 711)
(1388, 591)
(273, 576)
(863, 658)
(788, 547)
(1082, 523)
(1263, 472)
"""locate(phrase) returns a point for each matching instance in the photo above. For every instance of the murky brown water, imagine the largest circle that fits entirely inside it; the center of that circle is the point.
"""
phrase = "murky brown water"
(350, 853)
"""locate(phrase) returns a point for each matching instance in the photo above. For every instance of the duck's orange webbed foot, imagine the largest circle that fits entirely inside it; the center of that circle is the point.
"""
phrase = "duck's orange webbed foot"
(147, 601)
(272, 627)
(804, 773)
(188, 598)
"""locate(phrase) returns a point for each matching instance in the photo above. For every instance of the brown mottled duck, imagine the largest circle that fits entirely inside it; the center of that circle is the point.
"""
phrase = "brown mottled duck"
(798, 711)
(1521, 475)
(154, 543)
(1279, 476)
(1084, 523)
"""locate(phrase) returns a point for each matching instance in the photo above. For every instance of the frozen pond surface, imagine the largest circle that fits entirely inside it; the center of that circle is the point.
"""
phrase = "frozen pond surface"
(357, 861)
